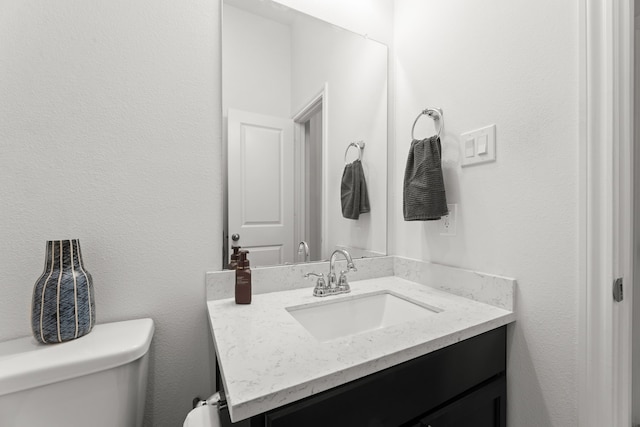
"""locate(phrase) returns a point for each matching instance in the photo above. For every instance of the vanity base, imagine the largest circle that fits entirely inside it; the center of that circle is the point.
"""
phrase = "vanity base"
(460, 385)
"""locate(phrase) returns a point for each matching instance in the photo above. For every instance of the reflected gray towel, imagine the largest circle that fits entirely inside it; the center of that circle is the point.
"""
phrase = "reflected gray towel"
(424, 198)
(353, 191)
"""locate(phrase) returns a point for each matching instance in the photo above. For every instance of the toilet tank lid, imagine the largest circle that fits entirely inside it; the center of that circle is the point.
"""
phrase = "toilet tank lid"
(25, 364)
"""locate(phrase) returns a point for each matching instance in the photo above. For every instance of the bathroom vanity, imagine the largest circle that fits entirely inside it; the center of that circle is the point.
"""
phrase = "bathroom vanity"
(462, 385)
(285, 360)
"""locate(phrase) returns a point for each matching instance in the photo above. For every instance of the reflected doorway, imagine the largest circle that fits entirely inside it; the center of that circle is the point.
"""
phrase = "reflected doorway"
(308, 187)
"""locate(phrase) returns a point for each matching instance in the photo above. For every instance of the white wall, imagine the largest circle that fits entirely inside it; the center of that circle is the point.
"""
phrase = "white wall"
(515, 64)
(355, 71)
(256, 80)
(110, 133)
(371, 17)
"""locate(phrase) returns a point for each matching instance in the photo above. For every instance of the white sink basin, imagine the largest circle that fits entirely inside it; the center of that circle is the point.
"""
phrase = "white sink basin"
(331, 319)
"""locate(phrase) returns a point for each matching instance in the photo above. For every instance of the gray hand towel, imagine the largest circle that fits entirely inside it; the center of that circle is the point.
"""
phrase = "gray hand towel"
(353, 191)
(424, 198)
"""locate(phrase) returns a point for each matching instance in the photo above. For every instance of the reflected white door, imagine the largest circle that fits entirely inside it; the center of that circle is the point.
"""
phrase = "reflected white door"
(260, 186)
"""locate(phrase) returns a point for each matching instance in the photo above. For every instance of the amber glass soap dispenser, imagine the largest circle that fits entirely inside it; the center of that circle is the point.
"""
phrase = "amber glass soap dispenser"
(243, 279)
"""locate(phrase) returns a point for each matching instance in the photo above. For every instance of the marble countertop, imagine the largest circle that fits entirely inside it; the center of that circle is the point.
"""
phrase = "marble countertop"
(267, 359)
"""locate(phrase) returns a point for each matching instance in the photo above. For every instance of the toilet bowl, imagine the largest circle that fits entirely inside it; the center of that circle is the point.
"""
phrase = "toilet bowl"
(97, 380)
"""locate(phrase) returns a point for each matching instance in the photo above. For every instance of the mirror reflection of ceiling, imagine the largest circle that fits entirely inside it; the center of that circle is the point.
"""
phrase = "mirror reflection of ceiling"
(279, 79)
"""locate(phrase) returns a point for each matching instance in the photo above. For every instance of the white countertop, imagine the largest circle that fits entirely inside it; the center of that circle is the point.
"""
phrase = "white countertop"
(267, 359)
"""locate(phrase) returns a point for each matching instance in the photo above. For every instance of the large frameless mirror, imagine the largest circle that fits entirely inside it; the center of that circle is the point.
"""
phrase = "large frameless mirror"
(297, 92)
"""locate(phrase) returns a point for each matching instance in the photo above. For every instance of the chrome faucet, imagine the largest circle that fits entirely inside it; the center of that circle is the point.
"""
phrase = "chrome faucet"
(335, 286)
(343, 274)
(303, 247)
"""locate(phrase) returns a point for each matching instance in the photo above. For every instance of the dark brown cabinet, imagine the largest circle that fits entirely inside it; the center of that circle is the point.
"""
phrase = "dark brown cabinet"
(463, 384)
(484, 407)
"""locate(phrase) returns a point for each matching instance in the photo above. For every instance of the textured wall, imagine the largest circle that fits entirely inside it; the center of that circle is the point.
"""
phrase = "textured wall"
(110, 133)
(515, 64)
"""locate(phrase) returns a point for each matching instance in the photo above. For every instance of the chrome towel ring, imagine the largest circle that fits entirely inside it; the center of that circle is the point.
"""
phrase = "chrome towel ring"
(435, 114)
(359, 145)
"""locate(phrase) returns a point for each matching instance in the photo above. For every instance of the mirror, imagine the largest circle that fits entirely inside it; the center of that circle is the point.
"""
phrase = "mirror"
(297, 91)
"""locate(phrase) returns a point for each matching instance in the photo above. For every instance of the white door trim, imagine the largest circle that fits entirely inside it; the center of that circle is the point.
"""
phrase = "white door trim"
(303, 114)
(635, 343)
(605, 174)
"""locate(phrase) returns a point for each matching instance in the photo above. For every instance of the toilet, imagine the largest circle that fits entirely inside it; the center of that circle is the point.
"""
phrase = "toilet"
(97, 380)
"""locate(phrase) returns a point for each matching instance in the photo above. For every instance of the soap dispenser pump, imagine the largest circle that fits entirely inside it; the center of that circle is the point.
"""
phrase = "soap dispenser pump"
(233, 264)
(243, 279)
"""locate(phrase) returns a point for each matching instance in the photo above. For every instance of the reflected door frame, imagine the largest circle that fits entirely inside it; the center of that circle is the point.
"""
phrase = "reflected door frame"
(635, 342)
(319, 101)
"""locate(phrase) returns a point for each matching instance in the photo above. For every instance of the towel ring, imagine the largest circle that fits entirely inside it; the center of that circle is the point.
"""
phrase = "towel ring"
(359, 145)
(435, 114)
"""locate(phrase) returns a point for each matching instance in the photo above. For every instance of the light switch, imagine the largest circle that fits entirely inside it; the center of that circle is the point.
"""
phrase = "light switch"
(478, 146)
(470, 147)
(482, 144)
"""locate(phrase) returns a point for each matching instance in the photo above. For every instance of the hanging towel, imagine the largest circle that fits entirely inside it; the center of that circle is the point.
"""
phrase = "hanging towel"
(353, 191)
(424, 198)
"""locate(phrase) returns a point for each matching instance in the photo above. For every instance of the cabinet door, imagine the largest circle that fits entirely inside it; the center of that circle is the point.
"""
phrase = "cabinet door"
(484, 407)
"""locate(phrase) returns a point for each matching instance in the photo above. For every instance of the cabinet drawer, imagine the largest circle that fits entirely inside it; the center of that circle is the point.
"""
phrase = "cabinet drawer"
(402, 393)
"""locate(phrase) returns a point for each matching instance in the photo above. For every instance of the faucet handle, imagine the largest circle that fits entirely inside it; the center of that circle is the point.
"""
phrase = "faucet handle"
(343, 283)
(321, 286)
(319, 276)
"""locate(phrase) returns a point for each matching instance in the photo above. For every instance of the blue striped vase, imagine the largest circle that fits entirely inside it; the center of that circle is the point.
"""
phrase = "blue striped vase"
(63, 303)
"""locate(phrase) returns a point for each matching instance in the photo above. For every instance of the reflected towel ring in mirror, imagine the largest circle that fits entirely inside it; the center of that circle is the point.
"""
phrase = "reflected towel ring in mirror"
(359, 145)
(435, 114)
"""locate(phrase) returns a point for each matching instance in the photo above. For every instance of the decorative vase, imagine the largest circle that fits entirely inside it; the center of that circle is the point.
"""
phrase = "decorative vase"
(63, 303)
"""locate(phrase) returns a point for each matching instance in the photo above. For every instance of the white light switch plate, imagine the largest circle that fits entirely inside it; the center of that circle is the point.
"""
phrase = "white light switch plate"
(482, 154)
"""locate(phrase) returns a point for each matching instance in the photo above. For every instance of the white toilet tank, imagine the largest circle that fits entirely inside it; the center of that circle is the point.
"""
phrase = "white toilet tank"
(98, 380)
